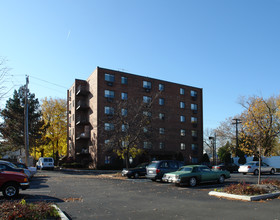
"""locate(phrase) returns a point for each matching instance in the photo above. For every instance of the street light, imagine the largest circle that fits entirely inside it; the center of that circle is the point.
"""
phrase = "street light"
(214, 148)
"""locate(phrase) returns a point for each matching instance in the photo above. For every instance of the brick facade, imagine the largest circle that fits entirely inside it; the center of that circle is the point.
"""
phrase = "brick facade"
(181, 125)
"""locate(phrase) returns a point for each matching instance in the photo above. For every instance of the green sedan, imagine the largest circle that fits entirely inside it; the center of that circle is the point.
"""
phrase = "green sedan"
(194, 174)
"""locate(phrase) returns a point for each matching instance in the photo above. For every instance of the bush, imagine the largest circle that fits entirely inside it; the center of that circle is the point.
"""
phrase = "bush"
(271, 182)
(244, 189)
(21, 210)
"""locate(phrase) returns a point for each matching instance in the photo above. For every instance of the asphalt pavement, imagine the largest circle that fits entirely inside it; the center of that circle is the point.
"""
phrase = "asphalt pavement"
(90, 195)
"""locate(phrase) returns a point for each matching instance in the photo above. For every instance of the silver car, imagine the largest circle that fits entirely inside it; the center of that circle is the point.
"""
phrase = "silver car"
(253, 167)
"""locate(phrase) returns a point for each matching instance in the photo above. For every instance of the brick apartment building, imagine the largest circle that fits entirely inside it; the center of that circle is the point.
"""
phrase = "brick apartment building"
(177, 117)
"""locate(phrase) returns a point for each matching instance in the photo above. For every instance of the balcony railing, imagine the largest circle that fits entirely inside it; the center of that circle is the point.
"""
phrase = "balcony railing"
(82, 105)
(82, 90)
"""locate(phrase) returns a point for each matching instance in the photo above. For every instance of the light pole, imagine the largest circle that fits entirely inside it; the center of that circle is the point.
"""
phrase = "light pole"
(213, 139)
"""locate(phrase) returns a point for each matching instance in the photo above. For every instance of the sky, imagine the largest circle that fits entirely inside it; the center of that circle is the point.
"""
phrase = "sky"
(229, 48)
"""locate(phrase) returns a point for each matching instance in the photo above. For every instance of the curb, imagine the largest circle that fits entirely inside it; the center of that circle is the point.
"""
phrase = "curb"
(62, 215)
(244, 198)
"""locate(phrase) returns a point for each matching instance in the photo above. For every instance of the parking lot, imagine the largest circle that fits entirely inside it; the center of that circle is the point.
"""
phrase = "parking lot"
(86, 195)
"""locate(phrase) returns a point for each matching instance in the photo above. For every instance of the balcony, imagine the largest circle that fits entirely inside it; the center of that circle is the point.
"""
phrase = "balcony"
(82, 90)
(83, 135)
(82, 105)
(82, 120)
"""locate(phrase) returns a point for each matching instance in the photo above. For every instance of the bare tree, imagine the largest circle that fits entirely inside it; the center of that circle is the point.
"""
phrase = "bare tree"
(4, 73)
(127, 125)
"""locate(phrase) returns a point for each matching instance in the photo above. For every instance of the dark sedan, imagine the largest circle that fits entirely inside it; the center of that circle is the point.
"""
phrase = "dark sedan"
(135, 172)
(231, 167)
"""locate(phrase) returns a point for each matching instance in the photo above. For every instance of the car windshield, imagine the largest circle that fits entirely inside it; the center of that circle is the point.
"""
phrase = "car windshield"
(153, 165)
(141, 165)
(12, 165)
(189, 169)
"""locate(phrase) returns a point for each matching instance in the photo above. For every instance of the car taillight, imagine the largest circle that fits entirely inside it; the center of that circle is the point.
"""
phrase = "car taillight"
(157, 171)
(249, 166)
(213, 167)
(25, 180)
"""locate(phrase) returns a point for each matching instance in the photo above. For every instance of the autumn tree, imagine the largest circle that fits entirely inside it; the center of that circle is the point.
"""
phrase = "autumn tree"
(54, 113)
(12, 126)
(260, 126)
(127, 126)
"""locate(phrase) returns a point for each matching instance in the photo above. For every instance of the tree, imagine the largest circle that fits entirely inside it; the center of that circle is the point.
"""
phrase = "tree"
(12, 127)
(130, 125)
(260, 127)
(54, 113)
(224, 153)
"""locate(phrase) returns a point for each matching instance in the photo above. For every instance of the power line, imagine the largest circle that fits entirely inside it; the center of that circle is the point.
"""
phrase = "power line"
(43, 80)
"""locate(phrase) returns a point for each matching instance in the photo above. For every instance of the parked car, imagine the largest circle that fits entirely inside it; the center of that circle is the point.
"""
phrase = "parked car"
(156, 169)
(8, 166)
(231, 167)
(195, 174)
(32, 170)
(45, 163)
(253, 167)
(136, 172)
(11, 182)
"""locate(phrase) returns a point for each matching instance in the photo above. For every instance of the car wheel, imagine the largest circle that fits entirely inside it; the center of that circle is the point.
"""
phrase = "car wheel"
(136, 175)
(244, 173)
(192, 181)
(272, 171)
(256, 172)
(221, 179)
(10, 190)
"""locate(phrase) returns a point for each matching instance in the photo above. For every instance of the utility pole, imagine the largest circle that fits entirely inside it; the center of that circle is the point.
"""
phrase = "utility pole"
(237, 121)
(26, 137)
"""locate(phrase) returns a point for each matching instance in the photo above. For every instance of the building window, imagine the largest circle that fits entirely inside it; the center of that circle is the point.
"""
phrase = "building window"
(161, 145)
(73, 117)
(193, 94)
(194, 120)
(182, 91)
(182, 105)
(194, 133)
(183, 132)
(124, 128)
(161, 130)
(109, 94)
(107, 159)
(147, 85)
(183, 146)
(194, 107)
(109, 110)
(194, 148)
(160, 87)
(124, 96)
(147, 113)
(182, 118)
(161, 116)
(161, 101)
(124, 112)
(124, 80)
(109, 77)
(147, 99)
(194, 160)
(147, 145)
(109, 126)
